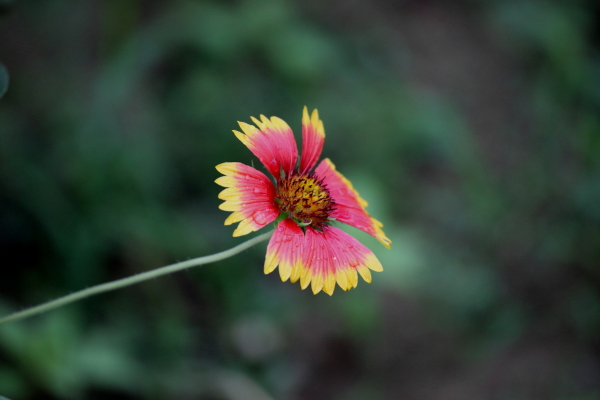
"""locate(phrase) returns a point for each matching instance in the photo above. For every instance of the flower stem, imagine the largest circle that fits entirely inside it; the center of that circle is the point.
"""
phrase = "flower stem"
(120, 283)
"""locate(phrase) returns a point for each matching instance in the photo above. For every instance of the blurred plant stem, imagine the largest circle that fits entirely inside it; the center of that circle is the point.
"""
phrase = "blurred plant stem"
(120, 283)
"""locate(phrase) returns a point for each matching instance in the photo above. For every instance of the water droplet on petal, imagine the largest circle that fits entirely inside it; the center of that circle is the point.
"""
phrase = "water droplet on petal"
(260, 217)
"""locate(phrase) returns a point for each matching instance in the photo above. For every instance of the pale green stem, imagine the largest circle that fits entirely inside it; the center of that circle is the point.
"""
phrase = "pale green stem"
(144, 276)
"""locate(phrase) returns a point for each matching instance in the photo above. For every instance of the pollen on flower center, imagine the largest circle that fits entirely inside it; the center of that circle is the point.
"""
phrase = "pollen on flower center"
(305, 198)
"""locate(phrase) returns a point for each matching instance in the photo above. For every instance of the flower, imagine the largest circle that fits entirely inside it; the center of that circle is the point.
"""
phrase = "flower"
(305, 245)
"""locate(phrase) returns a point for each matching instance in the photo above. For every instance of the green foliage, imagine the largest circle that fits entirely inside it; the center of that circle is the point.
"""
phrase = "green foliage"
(3, 80)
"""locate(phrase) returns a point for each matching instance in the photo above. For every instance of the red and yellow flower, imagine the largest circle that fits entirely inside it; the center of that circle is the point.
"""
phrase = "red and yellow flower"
(305, 245)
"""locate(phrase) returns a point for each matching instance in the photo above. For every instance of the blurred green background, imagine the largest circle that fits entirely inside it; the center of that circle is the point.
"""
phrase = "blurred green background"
(471, 127)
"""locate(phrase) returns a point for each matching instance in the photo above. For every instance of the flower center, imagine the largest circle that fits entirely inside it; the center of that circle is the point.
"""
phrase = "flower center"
(305, 198)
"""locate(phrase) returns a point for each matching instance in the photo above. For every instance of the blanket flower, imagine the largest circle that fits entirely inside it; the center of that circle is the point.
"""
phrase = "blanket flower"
(304, 200)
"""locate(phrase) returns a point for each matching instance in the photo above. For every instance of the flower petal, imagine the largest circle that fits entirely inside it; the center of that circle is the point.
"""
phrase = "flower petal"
(334, 256)
(249, 194)
(349, 206)
(313, 136)
(284, 250)
(272, 142)
(319, 258)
